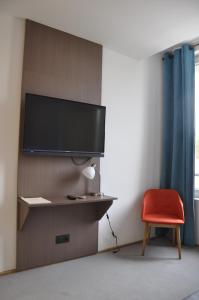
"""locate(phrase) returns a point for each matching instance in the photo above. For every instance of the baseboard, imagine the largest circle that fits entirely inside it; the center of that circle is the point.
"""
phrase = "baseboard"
(7, 272)
(101, 251)
(120, 246)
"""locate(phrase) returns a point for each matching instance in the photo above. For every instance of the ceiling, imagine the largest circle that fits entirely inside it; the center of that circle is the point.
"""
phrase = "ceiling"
(136, 28)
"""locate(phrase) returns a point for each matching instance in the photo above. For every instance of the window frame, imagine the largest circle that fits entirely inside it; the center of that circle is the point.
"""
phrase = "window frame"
(196, 191)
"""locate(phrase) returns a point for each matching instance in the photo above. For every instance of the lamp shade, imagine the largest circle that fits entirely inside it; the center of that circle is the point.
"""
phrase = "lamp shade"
(89, 172)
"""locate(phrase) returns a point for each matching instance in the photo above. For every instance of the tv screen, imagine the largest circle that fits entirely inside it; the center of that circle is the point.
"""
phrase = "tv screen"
(62, 127)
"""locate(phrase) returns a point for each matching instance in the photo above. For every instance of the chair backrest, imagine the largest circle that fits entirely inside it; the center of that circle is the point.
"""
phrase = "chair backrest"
(163, 201)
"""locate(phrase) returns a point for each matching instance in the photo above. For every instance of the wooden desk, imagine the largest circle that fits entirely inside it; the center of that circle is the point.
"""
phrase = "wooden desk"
(102, 204)
(38, 225)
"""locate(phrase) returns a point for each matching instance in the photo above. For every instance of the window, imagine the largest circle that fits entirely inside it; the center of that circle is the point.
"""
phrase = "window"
(197, 126)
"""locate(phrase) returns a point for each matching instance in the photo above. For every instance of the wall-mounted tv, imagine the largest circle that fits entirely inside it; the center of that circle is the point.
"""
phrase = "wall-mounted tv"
(62, 127)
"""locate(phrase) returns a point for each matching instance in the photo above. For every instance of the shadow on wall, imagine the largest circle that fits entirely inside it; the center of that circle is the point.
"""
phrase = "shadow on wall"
(11, 53)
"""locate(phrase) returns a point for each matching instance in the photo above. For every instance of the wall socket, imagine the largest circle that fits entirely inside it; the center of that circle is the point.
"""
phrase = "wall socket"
(64, 238)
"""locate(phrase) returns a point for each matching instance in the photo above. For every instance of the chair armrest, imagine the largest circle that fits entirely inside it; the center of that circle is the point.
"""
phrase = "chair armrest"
(180, 209)
(146, 205)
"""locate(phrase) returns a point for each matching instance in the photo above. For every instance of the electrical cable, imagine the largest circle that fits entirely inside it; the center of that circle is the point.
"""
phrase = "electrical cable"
(117, 249)
(80, 163)
(107, 216)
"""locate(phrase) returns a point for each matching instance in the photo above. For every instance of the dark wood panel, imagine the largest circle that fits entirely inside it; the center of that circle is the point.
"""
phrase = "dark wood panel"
(53, 176)
(36, 243)
(59, 65)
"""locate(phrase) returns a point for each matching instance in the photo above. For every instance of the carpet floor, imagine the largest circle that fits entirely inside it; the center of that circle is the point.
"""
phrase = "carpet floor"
(160, 275)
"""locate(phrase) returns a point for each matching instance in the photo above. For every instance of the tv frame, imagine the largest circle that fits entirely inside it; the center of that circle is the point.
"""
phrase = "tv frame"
(57, 152)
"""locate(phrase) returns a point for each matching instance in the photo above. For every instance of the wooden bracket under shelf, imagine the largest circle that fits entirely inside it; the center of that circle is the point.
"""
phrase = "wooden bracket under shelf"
(23, 211)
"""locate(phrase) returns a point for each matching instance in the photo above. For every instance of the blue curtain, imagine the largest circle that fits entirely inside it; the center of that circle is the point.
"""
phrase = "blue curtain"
(178, 132)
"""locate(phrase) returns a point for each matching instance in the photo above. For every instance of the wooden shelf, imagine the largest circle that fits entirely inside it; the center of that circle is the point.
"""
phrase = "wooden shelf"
(102, 204)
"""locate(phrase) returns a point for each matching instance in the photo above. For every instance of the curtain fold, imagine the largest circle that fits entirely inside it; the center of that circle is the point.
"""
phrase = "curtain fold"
(178, 132)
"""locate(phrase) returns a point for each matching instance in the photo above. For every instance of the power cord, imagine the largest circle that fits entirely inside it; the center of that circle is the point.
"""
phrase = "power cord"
(117, 249)
(78, 163)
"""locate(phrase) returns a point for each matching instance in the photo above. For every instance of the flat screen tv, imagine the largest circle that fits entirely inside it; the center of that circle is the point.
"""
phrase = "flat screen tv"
(62, 127)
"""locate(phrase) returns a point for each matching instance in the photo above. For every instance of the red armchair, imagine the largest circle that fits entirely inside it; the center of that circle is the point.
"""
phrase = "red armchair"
(162, 208)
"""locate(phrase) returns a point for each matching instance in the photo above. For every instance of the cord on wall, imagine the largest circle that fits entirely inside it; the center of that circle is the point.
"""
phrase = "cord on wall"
(113, 234)
(80, 163)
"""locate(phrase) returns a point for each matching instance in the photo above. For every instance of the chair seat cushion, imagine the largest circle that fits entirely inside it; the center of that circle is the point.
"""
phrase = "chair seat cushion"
(162, 219)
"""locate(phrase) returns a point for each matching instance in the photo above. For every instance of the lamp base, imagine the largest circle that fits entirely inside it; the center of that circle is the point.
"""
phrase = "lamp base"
(96, 194)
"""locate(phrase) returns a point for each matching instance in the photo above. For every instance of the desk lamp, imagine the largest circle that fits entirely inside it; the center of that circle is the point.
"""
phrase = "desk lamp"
(89, 172)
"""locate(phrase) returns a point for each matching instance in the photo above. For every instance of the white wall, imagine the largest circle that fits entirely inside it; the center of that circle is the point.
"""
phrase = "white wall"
(131, 91)
(11, 55)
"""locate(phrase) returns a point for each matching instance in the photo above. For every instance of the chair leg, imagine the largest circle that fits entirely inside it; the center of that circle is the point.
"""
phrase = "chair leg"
(178, 240)
(149, 234)
(174, 236)
(145, 238)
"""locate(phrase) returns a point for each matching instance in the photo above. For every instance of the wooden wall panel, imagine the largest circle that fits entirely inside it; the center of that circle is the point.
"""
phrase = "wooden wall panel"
(60, 65)
(36, 243)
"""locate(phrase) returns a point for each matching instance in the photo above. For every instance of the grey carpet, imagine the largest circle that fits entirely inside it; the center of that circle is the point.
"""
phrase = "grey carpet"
(194, 296)
(122, 276)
